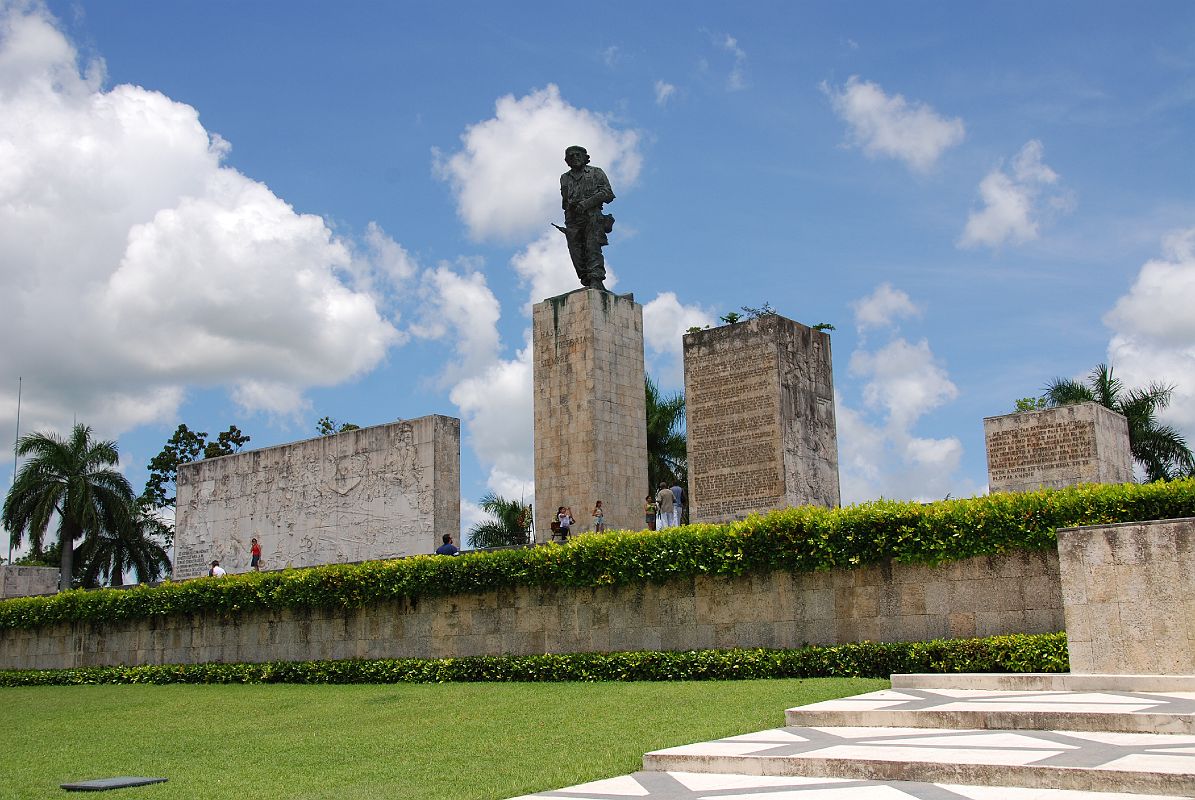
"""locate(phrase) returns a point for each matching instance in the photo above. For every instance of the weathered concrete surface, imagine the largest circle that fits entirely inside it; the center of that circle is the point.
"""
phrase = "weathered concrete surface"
(380, 492)
(590, 412)
(1057, 447)
(1013, 593)
(760, 418)
(1129, 591)
(19, 581)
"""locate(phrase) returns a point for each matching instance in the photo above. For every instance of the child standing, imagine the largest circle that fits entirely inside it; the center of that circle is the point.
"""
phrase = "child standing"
(649, 512)
(599, 518)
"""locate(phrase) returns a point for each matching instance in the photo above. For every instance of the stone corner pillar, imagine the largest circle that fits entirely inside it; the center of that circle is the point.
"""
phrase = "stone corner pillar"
(590, 411)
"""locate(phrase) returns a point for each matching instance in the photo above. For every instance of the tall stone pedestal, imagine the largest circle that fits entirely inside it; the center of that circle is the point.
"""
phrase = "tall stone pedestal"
(759, 399)
(590, 415)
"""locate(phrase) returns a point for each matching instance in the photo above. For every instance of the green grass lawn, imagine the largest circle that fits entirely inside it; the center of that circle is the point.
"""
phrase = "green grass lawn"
(469, 741)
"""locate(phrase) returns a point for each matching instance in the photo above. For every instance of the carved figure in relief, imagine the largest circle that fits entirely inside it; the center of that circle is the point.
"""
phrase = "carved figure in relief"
(583, 191)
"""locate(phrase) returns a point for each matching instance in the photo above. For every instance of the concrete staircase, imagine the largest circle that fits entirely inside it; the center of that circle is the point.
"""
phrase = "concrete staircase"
(945, 737)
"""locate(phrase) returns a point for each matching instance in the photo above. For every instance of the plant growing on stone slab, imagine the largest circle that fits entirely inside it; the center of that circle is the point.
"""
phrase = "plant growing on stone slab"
(731, 317)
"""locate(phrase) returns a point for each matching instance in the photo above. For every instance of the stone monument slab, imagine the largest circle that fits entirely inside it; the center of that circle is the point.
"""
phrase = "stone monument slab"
(379, 492)
(1128, 593)
(759, 399)
(21, 581)
(1057, 447)
(590, 410)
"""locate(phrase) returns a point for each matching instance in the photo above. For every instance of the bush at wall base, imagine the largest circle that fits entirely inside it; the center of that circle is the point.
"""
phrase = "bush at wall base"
(1017, 653)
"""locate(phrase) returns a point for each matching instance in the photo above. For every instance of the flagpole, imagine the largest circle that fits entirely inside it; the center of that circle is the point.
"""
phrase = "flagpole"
(16, 438)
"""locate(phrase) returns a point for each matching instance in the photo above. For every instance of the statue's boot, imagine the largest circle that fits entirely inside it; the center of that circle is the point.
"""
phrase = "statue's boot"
(601, 287)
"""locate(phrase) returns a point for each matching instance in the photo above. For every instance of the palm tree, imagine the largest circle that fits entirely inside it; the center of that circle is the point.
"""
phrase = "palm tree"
(666, 447)
(71, 480)
(511, 524)
(137, 546)
(1160, 449)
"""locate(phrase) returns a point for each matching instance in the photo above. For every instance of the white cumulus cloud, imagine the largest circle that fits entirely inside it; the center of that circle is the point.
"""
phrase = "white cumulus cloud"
(134, 264)
(880, 453)
(883, 307)
(1014, 201)
(506, 176)
(1154, 330)
(889, 125)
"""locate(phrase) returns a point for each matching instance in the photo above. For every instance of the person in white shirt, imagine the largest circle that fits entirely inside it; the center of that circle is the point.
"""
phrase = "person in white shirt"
(216, 571)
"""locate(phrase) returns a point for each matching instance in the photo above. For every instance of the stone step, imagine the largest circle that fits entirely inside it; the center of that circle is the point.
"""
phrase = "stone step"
(697, 785)
(1160, 764)
(1001, 709)
(1046, 682)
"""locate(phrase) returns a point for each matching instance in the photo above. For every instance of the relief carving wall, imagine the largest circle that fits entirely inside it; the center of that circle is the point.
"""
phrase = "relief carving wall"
(379, 492)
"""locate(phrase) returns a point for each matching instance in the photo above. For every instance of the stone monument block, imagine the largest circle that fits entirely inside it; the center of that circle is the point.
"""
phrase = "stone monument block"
(1063, 446)
(759, 399)
(380, 492)
(590, 411)
(1128, 593)
(22, 581)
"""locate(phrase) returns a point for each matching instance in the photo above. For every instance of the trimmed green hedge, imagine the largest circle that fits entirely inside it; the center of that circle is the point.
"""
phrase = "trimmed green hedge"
(796, 539)
(1020, 653)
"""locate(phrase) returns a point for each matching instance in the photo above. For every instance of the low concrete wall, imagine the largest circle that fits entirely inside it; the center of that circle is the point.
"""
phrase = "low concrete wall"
(20, 581)
(1014, 593)
(1130, 597)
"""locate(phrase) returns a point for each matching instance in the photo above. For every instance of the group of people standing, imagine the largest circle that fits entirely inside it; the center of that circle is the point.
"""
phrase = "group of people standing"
(664, 509)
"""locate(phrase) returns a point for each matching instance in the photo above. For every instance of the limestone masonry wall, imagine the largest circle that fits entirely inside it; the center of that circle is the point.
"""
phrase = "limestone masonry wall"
(380, 492)
(1057, 447)
(1012, 593)
(1130, 597)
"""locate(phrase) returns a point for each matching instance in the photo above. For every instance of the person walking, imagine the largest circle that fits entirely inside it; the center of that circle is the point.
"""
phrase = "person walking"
(255, 554)
(663, 507)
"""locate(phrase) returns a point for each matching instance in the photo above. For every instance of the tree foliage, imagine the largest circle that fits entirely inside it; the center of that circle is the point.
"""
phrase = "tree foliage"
(1159, 449)
(326, 426)
(70, 480)
(138, 546)
(511, 523)
(183, 447)
(667, 459)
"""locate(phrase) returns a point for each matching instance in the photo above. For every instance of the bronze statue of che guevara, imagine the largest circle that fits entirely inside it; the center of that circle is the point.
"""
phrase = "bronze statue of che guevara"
(583, 191)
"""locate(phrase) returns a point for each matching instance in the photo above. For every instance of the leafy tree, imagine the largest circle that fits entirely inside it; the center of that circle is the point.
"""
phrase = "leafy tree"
(137, 546)
(666, 446)
(731, 317)
(326, 426)
(1160, 449)
(70, 480)
(511, 524)
(1031, 404)
(183, 447)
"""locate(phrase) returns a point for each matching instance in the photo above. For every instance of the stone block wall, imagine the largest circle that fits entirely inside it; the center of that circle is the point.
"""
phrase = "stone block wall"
(1129, 591)
(1057, 447)
(590, 412)
(760, 419)
(20, 581)
(379, 492)
(1013, 593)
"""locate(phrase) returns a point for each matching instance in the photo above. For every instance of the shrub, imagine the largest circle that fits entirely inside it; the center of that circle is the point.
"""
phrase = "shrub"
(794, 539)
(1018, 653)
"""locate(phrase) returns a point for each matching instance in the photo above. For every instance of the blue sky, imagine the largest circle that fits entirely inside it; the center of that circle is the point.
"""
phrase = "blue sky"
(262, 213)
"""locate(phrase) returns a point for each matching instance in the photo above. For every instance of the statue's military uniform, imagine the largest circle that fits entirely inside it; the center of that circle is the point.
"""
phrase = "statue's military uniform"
(582, 196)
